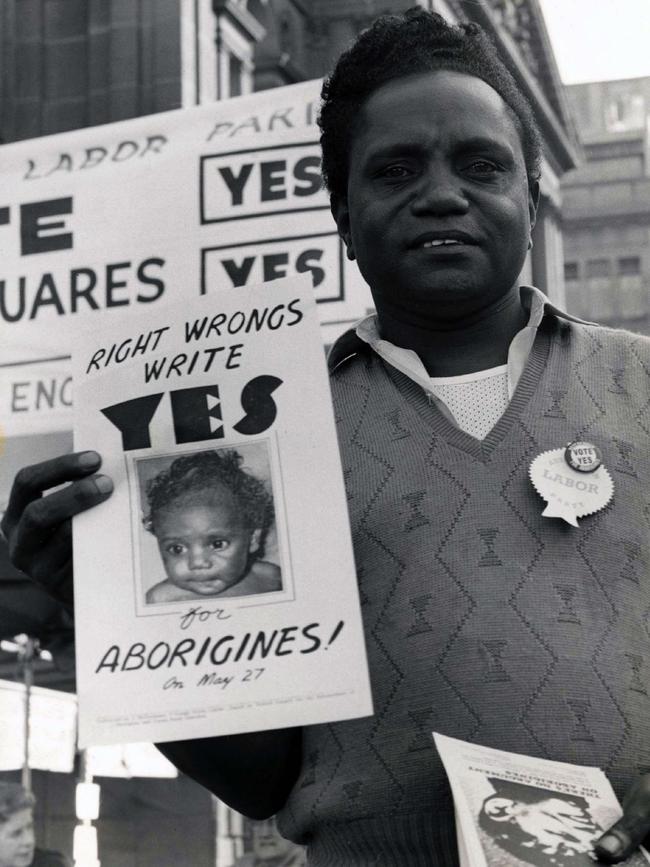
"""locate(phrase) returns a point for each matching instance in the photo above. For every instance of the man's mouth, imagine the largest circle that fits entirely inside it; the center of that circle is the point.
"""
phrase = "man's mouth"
(441, 239)
(443, 243)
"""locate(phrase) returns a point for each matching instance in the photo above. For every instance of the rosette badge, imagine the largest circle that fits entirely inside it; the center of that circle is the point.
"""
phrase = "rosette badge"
(573, 481)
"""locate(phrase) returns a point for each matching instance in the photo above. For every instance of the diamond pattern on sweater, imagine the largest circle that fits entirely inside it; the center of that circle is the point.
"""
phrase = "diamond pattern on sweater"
(624, 464)
(516, 499)
(423, 720)
(416, 518)
(617, 386)
(583, 548)
(567, 594)
(580, 708)
(557, 397)
(582, 376)
(396, 431)
(392, 673)
(631, 554)
(561, 615)
(489, 537)
(419, 604)
(637, 683)
(494, 671)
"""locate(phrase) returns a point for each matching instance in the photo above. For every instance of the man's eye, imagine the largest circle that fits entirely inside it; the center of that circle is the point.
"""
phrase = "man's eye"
(483, 167)
(394, 172)
(218, 544)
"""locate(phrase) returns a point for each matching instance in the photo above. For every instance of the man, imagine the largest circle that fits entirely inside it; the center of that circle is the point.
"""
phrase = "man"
(269, 849)
(17, 845)
(484, 620)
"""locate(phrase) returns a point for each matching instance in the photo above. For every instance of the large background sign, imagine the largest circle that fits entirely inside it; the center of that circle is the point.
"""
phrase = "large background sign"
(125, 217)
(134, 213)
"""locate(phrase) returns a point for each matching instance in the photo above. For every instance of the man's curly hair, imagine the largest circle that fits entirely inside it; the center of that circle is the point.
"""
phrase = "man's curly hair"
(395, 46)
(203, 471)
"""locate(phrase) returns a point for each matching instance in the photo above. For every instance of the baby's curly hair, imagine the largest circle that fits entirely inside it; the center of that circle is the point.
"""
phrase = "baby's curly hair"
(395, 46)
(201, 472)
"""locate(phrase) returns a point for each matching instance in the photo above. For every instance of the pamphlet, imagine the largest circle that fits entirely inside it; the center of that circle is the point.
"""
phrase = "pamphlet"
(515, 811)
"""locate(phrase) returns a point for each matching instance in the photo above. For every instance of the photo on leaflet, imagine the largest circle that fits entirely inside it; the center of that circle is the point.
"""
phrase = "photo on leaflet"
(526, 825)
(206, 525)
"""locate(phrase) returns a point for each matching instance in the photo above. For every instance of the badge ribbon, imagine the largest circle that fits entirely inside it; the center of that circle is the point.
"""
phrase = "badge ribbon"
(570, 494)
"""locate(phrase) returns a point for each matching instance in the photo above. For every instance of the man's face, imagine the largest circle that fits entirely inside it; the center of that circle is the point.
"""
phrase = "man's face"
(438, 212)
(17, 839)
(267, 842)
(204, 542)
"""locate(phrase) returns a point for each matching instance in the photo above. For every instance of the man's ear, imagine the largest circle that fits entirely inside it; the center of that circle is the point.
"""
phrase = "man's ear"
(533, 203)
(341, 214)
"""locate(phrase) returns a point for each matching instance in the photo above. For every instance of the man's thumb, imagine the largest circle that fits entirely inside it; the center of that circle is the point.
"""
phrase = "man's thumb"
(628, 833)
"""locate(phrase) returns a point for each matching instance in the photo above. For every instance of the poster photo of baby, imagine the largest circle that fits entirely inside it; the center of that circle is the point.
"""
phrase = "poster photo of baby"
(207, 525)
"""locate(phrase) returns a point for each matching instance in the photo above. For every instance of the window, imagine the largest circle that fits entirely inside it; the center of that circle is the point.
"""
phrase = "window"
(629, 265)
(236, 69)
(218, 39)
(598, 268)
(571, 271)
(625, 111)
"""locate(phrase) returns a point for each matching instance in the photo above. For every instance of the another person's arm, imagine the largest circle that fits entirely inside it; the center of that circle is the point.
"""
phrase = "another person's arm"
(253, 772)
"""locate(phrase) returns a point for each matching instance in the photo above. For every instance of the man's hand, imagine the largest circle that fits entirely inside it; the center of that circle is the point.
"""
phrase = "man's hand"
(38, 528)
(622, 839)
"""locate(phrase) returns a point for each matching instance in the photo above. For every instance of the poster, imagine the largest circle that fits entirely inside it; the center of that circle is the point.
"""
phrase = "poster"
(215, 591)
(516, 811)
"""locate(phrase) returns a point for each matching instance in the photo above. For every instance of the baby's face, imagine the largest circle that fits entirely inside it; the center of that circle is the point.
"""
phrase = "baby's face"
(203, 542)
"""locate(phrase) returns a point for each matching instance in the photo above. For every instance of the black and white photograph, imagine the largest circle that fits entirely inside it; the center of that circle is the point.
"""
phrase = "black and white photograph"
(345, 305)
(212, 518)
(522, 824)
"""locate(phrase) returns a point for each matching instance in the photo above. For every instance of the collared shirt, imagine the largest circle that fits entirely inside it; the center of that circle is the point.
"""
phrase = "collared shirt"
(408, 362)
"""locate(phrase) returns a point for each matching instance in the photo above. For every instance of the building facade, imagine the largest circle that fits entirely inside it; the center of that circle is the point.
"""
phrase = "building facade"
(67, 64)
(606, 212)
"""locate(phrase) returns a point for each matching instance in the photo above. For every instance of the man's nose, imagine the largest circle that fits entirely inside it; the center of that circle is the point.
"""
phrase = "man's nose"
(198, 557)
(440, 191)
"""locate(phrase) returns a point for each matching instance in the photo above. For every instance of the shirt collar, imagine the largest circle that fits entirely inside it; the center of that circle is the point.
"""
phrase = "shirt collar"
(366, 334)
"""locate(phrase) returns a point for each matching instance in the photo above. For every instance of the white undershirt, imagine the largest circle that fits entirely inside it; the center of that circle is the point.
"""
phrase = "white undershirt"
(476, 400)
(467, 400)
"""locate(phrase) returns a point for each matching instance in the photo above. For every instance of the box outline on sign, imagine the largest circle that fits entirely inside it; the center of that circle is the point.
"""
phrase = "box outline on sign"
(204, 221)
(257, 243)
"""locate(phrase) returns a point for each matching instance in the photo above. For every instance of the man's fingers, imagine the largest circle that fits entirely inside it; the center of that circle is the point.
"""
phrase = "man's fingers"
(51, 568)
(628, 833)
(42, 517)
(30, 482)
(54, 571)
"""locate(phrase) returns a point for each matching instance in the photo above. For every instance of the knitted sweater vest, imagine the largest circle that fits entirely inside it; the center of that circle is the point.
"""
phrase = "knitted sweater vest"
(484, 620)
